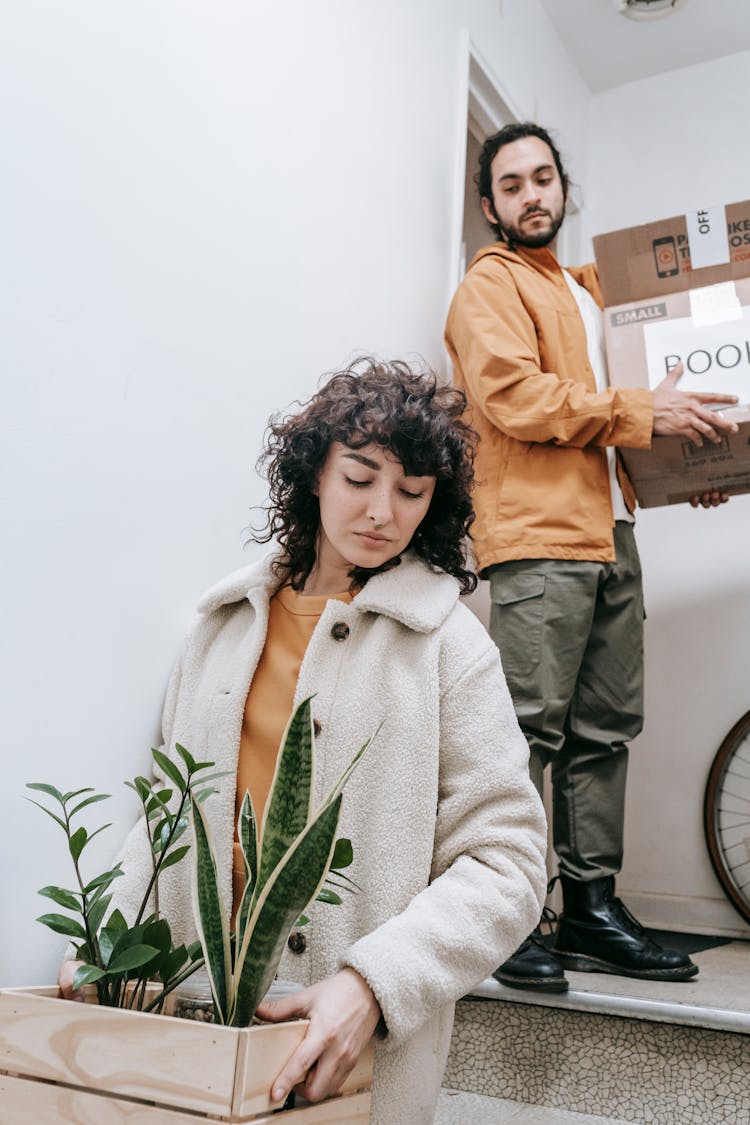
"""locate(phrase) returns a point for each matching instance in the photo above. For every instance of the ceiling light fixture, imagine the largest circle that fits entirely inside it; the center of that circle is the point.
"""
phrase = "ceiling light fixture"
(647, 9)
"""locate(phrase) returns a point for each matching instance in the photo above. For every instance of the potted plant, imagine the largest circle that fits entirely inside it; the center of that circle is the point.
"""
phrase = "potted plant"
(63, 1061)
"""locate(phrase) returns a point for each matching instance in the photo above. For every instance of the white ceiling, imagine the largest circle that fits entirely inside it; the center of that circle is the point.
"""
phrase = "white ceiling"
(610, 50)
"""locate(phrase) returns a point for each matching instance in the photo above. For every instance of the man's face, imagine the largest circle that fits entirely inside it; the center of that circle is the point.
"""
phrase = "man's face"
(527, 194)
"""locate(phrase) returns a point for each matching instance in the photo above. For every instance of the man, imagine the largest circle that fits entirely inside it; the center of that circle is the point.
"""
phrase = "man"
(554, 535)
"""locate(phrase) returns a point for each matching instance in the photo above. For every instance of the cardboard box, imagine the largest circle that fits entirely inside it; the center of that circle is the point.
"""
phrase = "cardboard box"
(676, 291)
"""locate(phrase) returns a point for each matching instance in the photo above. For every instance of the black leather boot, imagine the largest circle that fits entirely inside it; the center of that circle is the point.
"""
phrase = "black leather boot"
(597, 934)
(533, 966)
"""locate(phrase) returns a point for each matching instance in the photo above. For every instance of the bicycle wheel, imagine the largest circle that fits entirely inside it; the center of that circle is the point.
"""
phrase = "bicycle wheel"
(726, 815)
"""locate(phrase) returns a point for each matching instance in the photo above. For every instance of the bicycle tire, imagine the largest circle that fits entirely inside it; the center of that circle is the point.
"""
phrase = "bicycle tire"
(726, 815)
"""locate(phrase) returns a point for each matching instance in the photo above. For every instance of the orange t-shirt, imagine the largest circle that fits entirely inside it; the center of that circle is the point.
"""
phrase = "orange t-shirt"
(291, 622)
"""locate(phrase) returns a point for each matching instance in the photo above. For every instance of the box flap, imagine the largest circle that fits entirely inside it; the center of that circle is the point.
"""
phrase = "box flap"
(653, 260)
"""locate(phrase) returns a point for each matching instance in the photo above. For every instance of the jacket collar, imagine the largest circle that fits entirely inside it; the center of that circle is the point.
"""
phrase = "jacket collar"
(412, 592)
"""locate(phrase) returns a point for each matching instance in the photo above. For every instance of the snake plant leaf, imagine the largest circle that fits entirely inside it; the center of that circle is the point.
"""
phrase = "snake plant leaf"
(210, 919)
(290, 800)
(246, 834)
(294, 883)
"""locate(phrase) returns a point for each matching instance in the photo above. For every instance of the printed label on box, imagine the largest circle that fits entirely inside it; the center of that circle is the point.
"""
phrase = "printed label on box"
(707, 235)
(716, 357)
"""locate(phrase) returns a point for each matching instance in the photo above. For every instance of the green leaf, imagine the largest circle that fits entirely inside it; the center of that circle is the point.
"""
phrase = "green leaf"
(76, 793)
(288, 806)
(303, 920)
(116, 921)
(68, 899)
(174, 857)
(44, 809)
(246, 834)
(101, 882)
(77, 842)
(62, 925)
(97, 911)
(343, 854)
(170, 770)
(324, 895)
(50, 790)
(90, 801)
(159, 934)
(186, 756)
(208, 910)
(291, 886)
(141, 786)
(87, 974)
(133, 958)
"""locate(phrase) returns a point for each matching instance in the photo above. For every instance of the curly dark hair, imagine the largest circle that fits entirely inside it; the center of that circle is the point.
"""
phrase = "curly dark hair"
(407, 412)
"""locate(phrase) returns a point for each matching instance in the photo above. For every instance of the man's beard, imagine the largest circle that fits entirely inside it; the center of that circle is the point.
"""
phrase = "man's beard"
(517, 236)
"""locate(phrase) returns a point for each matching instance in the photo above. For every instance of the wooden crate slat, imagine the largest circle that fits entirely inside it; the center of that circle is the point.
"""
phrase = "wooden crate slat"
(24, 1101)
(155, 1058)
(258, 1058)
(352, 1110)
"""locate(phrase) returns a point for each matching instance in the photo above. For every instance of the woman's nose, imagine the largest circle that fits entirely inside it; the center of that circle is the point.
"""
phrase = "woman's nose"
(380, 509)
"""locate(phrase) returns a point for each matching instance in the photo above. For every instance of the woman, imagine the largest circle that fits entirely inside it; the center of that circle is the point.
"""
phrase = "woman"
(359, 607)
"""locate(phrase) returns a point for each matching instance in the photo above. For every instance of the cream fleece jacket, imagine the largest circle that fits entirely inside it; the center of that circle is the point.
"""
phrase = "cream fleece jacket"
(448, 831)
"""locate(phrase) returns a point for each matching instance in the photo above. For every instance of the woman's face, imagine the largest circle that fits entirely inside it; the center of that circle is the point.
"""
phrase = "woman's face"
(369, 508)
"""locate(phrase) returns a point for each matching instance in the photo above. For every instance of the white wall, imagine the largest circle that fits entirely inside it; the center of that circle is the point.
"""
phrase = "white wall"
(661, 147)
(206, 206)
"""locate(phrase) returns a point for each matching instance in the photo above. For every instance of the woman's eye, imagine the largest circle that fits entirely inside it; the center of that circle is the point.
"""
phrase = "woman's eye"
(357, 483)
(412, 495)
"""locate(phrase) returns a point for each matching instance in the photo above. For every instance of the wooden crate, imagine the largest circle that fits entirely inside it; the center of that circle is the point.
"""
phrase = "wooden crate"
(86, 1065)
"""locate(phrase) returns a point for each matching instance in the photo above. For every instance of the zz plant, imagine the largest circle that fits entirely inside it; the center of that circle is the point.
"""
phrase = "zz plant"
(286, 865)
(120, 959)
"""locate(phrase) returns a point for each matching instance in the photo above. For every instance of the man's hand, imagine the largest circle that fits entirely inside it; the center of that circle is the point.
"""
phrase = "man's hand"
(684, 414)
(343, 1015)
(709, 500)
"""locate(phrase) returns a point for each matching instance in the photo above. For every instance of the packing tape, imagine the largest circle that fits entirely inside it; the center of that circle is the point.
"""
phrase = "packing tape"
(714, 304)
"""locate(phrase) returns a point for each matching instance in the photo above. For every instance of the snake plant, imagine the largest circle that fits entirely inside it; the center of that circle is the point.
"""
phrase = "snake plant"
(285, 865)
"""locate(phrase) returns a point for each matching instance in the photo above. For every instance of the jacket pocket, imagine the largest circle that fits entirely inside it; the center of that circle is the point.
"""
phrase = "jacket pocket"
(516, 619)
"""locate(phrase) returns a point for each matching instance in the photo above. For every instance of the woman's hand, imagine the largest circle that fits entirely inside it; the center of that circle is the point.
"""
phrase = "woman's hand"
(65, 976)
(343, 1015)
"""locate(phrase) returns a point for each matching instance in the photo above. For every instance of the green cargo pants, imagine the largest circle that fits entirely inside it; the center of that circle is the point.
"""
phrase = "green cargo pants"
(570, 636)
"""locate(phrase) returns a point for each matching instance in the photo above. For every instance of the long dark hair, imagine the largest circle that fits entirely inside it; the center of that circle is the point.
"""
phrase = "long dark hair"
(406, 412)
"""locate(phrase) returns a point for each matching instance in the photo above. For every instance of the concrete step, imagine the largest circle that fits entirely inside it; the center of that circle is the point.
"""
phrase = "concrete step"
(612, 1048)
(456, 1108)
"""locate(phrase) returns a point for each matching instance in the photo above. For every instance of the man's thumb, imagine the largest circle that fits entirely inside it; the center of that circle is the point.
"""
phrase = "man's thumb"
(674, 374)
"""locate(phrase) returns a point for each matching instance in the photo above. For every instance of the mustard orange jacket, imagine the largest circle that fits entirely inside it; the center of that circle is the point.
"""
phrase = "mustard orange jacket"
(519, 351)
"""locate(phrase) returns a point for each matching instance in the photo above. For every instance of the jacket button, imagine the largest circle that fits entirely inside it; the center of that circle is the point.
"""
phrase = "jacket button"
(340, 631)
(297, 942)
(317, 728)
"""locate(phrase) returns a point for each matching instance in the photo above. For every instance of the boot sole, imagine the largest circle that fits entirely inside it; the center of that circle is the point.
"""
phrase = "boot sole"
(581, 963)
(533, 984)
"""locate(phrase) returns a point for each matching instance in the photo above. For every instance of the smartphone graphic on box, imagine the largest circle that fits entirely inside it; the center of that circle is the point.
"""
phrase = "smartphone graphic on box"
(665, 256)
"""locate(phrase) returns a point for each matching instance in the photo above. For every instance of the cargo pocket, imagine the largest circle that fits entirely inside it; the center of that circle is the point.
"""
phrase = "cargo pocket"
(516, 620)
